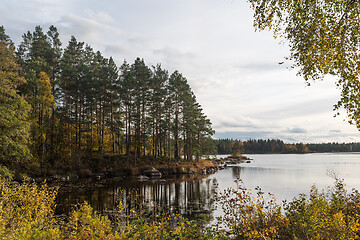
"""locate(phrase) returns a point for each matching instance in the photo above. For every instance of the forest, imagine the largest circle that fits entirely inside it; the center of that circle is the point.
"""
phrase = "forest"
(252, 146)
(66, 109)
(61, 108)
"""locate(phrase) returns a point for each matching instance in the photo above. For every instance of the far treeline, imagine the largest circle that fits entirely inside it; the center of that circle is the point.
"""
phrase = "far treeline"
(61, 108)
(231, 146)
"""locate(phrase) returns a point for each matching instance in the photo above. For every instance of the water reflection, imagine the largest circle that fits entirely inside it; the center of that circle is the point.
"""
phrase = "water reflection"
(286, 176)
(189, 196)
(236, 170)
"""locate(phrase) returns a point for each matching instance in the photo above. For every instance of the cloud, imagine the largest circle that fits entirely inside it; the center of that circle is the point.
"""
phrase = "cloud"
(233, 71)
(226, 123)
(172, 53)
(81, 27)
(116, 48)
(174, 57)
(335, 131)
(265, 66)
(300, 108)
(245, 135)
(100, 16)
(296, 130)
(90, 30)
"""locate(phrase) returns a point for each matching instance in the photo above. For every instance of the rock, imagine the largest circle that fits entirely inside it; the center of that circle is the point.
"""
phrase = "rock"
(162, 181)
(51, 178)
(85, 173)
(64, 178)
(143, 178)
(152, 173)
(100, 175)
(210, 170)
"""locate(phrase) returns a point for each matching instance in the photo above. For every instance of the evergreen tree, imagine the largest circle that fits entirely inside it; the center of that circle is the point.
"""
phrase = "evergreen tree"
(72, 94)
(133, 110)
(141, 77)
(39, 55)
(156, 109)
(177, 87)
(126, 80)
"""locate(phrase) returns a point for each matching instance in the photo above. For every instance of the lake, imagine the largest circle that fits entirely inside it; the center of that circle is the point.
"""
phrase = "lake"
(285, 175)
(288, 175)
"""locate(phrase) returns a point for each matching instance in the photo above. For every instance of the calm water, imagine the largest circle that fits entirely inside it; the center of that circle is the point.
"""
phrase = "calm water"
(285, 175)
(288, 175)
(188, 195)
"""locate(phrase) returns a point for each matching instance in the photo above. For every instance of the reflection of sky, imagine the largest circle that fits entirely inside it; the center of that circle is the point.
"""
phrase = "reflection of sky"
(287, 175)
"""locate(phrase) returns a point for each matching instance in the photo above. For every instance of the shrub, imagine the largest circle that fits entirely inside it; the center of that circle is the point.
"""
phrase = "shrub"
(27, 212)
(164, 227)
(85, 224)
(5, 173)
(247, 216)
(330, 214)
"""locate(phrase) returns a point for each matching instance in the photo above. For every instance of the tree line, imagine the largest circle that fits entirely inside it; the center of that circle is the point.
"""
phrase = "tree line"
(78, 103)
(231, 146)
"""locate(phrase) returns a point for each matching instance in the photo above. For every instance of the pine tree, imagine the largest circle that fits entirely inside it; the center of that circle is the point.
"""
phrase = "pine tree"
(71, 82)
(140, 85)
(133, 110)
(156, 109)
(39, 54)
(176, 88)
(126, 80)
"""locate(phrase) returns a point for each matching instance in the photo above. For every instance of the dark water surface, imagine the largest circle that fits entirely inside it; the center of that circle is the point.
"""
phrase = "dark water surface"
(188, 195)
(285, 175)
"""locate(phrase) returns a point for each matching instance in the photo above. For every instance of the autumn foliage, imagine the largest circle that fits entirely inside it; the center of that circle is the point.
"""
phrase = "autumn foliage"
(27, 212)
(330, 214)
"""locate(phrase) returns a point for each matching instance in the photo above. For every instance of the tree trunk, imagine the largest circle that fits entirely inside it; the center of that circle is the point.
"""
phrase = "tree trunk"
(176, 135)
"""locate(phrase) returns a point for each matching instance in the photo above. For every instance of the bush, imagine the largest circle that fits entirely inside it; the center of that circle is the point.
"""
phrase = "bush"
(249, 217)
(164, 227)
(85, 224)
(5, 173)
(27, 212)
(331, 214)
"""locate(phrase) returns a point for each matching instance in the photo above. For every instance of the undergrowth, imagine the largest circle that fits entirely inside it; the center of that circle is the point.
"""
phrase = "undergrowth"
(27, 212)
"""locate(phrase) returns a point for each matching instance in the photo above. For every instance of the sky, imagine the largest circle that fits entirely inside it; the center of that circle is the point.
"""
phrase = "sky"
(233, 70)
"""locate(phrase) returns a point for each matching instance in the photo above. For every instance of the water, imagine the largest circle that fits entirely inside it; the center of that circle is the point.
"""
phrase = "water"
(190, 196)
(285, 175)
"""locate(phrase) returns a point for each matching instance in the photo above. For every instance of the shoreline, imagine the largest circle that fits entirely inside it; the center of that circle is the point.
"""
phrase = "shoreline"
(115, 170)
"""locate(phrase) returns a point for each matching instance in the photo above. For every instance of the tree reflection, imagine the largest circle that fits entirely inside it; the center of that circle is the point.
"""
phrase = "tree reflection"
(190, 197)
(236, 170)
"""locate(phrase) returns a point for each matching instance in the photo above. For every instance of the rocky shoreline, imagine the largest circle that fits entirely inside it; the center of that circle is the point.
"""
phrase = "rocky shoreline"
(201, 167)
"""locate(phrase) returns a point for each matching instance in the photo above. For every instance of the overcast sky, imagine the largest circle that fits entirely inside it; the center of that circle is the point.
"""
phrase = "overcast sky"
(232, 69)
